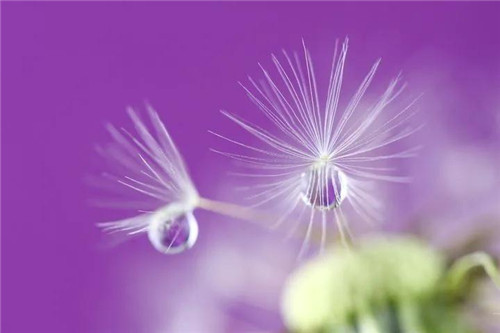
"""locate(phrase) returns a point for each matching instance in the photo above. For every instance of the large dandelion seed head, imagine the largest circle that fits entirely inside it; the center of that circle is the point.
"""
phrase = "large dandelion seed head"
(149, 166)
(320, 152)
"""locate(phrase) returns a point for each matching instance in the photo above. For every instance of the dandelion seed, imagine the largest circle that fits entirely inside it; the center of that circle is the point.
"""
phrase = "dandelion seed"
(149, 165)
(324, 152)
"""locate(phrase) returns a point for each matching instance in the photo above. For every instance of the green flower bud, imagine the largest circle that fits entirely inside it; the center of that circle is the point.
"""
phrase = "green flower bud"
(343, 284)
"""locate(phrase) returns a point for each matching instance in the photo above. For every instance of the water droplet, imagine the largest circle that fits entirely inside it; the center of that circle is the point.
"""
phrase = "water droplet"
(324, 186)
(171, 235)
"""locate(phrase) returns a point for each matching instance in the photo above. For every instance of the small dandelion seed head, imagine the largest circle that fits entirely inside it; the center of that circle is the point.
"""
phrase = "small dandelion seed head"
(150, 167)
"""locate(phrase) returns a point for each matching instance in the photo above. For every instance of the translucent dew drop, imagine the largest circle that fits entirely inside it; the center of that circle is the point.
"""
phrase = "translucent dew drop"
(324, 186)
(171, 235)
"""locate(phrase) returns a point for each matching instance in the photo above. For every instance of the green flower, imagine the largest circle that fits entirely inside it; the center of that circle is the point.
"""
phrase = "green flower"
(385, 284)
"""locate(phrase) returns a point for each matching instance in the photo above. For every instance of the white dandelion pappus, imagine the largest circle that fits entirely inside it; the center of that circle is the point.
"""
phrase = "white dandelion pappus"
(151, 166)
(154, 168)
(317, 156)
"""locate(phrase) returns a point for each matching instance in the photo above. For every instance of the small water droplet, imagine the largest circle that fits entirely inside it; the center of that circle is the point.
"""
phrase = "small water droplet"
(324, 186)
(173, 235)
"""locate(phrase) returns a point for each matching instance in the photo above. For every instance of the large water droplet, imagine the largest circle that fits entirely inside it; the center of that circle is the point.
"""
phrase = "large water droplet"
(324, 186)
(171, 235)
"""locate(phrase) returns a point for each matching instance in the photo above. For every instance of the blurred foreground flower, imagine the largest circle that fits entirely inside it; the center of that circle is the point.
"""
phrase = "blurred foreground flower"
(396, 284)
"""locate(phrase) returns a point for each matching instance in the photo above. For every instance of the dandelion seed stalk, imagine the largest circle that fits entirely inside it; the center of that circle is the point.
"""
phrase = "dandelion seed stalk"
(235, 211)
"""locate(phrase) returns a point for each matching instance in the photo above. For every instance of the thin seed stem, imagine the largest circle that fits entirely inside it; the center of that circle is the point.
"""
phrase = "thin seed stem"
(261, 218)
(236, 211)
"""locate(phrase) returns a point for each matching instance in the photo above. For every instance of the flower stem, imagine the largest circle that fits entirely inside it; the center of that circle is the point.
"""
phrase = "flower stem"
(409, 318)
(459, 270)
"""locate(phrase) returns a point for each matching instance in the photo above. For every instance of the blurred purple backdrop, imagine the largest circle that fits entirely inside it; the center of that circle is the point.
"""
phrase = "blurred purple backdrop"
(67, 68)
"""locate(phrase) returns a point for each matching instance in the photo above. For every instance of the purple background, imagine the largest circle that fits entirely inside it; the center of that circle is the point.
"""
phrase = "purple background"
(69, 67)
